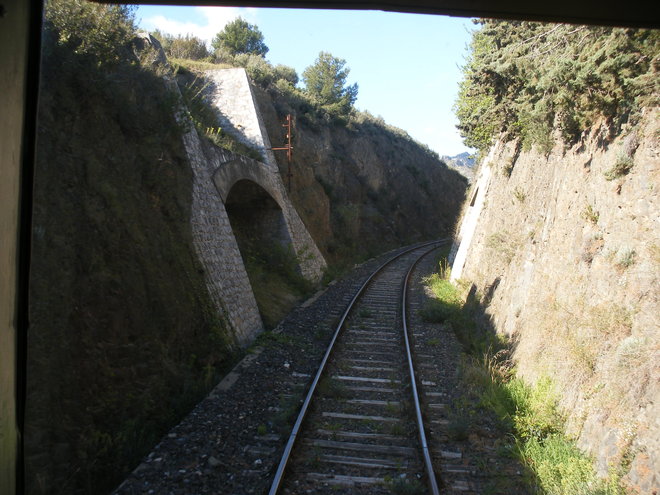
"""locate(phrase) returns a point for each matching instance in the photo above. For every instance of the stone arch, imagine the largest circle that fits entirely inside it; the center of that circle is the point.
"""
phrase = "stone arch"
(241, 168)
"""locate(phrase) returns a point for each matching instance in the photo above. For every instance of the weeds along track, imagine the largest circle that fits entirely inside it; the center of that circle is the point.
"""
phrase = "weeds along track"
(360, 427)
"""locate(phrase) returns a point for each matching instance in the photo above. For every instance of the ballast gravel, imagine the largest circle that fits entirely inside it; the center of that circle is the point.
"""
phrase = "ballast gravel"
(232, 440)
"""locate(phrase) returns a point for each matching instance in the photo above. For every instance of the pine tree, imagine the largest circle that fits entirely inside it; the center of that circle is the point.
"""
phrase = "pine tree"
(325, 83)
(240, 37)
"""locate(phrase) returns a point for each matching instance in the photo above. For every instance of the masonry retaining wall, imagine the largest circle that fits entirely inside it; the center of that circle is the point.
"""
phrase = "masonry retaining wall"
(215, 171)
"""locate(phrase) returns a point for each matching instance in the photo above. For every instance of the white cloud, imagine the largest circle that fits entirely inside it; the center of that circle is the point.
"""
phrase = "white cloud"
(214, 20)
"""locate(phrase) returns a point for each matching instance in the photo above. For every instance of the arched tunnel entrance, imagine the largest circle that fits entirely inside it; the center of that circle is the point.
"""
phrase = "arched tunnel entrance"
(258, 224)
(255, 216)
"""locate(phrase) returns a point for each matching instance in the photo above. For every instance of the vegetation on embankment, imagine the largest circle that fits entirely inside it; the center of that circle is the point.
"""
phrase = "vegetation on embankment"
(124, 339)
(361, 186)
(530, 414)
(565, 248)
(523, 79)
(276, 281)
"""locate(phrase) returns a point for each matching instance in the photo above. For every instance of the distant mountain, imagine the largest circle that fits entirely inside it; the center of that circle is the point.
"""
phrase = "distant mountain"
(464, 163)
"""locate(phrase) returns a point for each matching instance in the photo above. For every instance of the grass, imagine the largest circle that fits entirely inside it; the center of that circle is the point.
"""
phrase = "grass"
(331, 426)
(283, 420)
(196, 65)
(529, 413)
(519, 195)
(365, 313)
(447, 306)
(504, 244)
(460, 419)
(404, 486)
(590, 214)
(561, 468)
(275, 279)
(270, 339)
(626, 258)
(330, 387)
(447, 302)
(397, 429)
(536, 415)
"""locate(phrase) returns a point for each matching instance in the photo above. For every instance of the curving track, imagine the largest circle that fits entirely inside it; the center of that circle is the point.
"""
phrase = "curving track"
(360, 428)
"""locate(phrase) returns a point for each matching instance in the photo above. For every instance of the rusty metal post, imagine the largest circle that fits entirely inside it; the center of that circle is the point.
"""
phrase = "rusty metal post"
(289, 151)
(288, 148)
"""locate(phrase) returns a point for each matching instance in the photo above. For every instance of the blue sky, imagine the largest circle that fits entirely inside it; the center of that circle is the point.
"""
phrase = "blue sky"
(407, 66)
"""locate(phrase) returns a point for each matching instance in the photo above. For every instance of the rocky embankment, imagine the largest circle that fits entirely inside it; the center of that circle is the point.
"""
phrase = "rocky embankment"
(566, 256)
(124, 338)
(363, 187)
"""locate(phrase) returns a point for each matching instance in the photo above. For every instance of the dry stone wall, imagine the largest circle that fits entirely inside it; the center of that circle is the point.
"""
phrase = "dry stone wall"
(567, 247)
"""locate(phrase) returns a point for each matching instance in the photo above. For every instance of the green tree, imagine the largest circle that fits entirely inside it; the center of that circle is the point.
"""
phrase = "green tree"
(325, 82)
(525, 78)
(165, 39)
(240, 37)
(287, 73)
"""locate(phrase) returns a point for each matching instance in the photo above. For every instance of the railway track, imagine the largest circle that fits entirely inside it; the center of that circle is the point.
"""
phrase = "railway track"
(360, 428)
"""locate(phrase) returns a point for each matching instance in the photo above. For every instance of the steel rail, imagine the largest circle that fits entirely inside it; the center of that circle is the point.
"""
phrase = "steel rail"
(428, 463)
(279, 474)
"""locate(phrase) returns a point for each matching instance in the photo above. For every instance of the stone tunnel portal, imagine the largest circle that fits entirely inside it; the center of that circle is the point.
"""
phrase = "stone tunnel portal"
(265, 244)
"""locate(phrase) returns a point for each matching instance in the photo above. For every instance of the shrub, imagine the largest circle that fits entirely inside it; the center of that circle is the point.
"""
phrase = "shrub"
(286, 73)
(626, 258)
(525, 78)
(260, 71)
(622, 166)
(223, 56)
(103, 32)
(188, 47)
